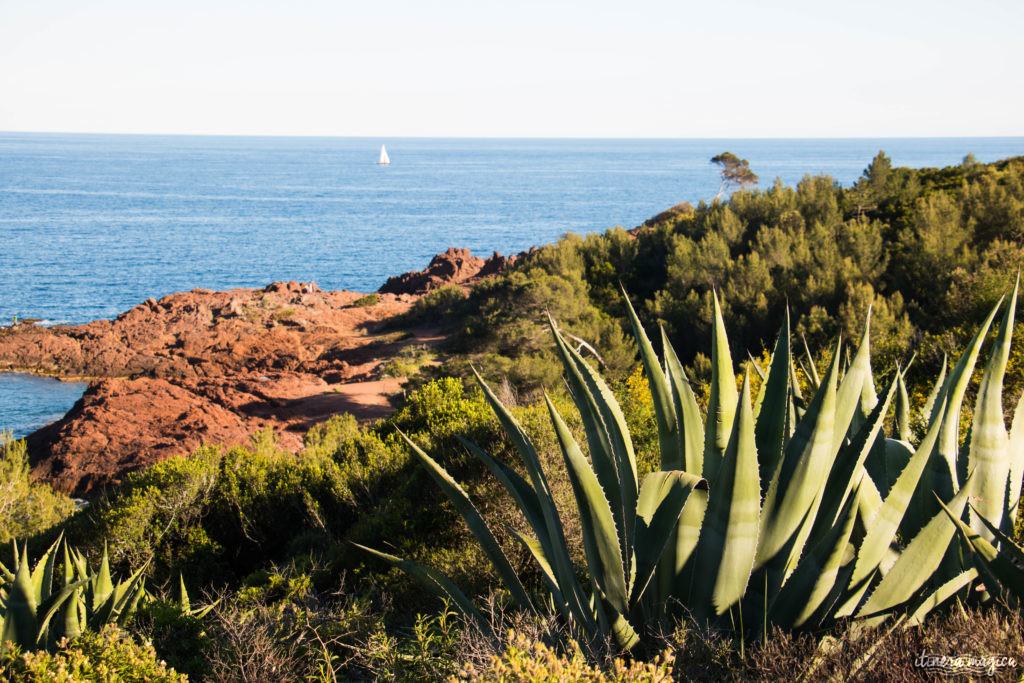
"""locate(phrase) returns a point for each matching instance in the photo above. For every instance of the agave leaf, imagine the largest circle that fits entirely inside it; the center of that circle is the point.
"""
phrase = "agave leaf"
(771, 407)
(815, 574)
(474, 521)
(120, 603)
(1005, 544)
(761, 374)
(557, 548)
(184, 604)
(897, 456)
(988, 456)
(929, 409)
(20, 624)
(611, 450)
(847, 470)
(623, 633)
(691, 427)
(672, 457)
(940, 595)
(996, 563)
(887, 522)
(42, 575)
(810, 371)
(437, 582)
(958, 381)
(537, 550)
(902, 409)
(728, 539)
(796, 485)
(519, 488)
(49, 608)
(102, 586)
(1016, 476)
(71, 624)
(600, 538)
(851, 390)
(722, 402)
(918, 562)
(663, 497)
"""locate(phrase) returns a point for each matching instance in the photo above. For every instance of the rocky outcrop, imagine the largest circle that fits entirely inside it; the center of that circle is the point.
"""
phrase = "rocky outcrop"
(205, 367)
(453, 267)
(214, 367)
(123, 425)
(285, 326)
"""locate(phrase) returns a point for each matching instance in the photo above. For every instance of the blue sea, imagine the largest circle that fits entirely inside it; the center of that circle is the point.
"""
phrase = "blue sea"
(91, 225)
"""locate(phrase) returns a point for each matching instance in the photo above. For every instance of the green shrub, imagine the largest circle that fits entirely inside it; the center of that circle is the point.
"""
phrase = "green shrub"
(110, 655)
(407, 362)
(437, 305)
(217, 514)
(26, 508)
(178, 637)
(529, 661)
(368, 300)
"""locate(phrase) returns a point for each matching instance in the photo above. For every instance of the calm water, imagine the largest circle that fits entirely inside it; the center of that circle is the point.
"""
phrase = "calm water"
(94, 224)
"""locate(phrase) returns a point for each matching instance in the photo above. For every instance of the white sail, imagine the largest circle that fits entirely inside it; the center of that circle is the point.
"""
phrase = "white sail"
(384, 160)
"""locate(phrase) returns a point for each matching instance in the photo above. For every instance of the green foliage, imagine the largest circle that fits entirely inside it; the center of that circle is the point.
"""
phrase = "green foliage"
(818, 548)
(930, 249)
(437, 304)
(37, 611)
(735, 171)
(529, 661)
(218, 513)
(109, 655)
(407, 362)
(180, 637)
(26, 508)
(368, 300)
(502, 333)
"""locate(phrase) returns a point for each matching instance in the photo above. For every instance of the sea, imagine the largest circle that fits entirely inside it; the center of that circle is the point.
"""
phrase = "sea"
(91, 225)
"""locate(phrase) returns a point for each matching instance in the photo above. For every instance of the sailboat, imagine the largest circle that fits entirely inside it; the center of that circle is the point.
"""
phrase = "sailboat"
(384, 160)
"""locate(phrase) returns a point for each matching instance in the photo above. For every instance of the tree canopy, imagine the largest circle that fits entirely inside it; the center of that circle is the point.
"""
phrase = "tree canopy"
(735, 172)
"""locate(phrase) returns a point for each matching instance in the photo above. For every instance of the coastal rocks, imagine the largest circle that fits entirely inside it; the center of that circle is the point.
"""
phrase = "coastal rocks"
(206, 367)
(110, 431)
(215, 367)
(453, 267)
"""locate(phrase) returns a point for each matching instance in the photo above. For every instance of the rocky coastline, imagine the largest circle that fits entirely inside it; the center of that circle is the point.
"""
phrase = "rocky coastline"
(216, 367)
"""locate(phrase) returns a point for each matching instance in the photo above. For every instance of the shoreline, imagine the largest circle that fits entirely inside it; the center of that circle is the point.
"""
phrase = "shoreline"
(210, 366)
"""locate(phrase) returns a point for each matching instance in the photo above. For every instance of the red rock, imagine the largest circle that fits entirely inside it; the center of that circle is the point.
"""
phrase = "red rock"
(214, 367)
(186, 369)
(110, 432)
(453, 267)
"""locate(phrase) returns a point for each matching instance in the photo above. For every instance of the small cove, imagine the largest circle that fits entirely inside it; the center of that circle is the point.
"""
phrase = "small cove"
(28, 402)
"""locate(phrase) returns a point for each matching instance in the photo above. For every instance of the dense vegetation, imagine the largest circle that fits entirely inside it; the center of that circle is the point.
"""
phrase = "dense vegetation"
(931, 250)
(266, 537)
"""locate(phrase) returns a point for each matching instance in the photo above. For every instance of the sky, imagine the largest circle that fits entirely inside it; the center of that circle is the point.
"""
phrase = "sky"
(450, 68)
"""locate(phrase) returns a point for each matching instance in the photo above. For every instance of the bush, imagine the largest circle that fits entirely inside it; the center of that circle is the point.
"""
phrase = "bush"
(110, 655)
(368, 300)
(407, 362)
(530, 661)
(26, 508)
(437, 305)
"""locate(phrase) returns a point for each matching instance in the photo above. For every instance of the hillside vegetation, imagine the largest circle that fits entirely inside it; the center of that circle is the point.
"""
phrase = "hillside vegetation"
(931, 250)
(248, 554)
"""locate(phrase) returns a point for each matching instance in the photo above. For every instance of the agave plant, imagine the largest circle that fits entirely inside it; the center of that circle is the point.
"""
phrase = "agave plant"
(36, 613)
(1002, 562)
(771, 509)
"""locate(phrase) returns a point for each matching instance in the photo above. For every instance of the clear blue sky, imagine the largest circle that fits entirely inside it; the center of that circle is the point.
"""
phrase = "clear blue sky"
(790, 68)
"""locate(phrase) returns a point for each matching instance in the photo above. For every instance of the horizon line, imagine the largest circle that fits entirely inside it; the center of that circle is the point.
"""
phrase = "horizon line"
(515, 137)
